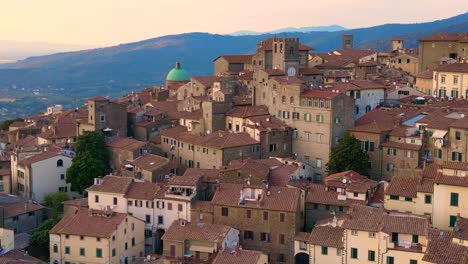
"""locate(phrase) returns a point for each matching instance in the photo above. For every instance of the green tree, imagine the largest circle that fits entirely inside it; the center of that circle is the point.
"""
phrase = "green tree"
(92, 141)
(85, 167)
(54, 201)
(348, 155)
(6, 124)
(39, 241)
(92, 161)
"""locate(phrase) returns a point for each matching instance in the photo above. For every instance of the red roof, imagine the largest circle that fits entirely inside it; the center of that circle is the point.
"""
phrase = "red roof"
(319, 94)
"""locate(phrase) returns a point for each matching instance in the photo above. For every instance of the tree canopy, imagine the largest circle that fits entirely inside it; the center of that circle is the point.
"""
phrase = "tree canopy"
(348, 155)
(54, 201)
(92, 161)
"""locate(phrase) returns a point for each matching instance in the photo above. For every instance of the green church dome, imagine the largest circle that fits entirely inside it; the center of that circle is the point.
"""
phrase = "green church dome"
(178, 74)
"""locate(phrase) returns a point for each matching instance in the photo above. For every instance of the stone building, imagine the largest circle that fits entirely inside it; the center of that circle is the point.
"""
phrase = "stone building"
(318, 118)
(440, 46)
(104, 115)
(227, 65)
(451, 80)
(209, 151)
(124, 149)
(97, 236)
(334, 197)
(20, 215)
(197, 242)
(267, 217)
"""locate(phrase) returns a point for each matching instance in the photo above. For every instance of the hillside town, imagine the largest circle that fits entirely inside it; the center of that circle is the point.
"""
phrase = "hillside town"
(281, 156)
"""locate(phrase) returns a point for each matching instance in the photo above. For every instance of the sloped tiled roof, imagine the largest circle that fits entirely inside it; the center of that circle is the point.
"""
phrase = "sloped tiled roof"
(150, 162)
(112, 184)
(327, 236)
(248, 111)
(96, 224)
(441, 249)
(241, 256)
(199, 232)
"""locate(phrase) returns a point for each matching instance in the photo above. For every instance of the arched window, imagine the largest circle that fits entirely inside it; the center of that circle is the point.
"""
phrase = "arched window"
(283, 99)
(291, 50)
(59, 163)
(291, 100)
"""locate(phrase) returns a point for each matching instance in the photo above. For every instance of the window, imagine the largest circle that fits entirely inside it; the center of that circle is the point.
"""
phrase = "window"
(318, 163)
(272, 147)
(291, 100)
(324, 250)
(442, 79)
(113, 252)
(427, 199)
(248, 235)
(283, 99)
(413, 261)
(126, 246)
(438, 153)
(59, 163)
(169, 206)
(99, 252)
(408, 153)
(307, 117)
(371, 255)
(408, 199)
(55, 248)
(133, 241)
(453, 199)
(67, 250)
(354, 232)
(96, 198)
(62, 176)
(82, 252)
(180, 207)
(148, 218)
(265, 216)
(133, 226)
(115, 201)
(295, 115)
(302, 245)
(338, 252)
(355, 194)
(415, 239)
(282, 216)
(390, 260)
(354, 253)
(336, 120)
(391, 151)
(457, 135)
(390, 167)
(81, 237)
(224, 211)
(248, 214)
(264, 237)
(452, 220)
(160, 219)
(319, 118)
(394, 237)
(357, 110)
(371, 234)
(281, 238)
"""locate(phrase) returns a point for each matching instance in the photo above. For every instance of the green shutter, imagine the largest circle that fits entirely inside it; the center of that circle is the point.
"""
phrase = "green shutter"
(354, 253)
(390, 260)
(324, 250)
(279, 113)
(371, 255)
(317, 118)
(408, 199)
(454, 199)
(452, 220)
(413, 261)
(394, 237)
(388, 151)
(371, 146)
(394, 152)
(453, 156)
(415, 239)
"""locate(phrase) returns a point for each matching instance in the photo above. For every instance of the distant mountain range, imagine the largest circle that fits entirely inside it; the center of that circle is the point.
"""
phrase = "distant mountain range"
(70, 77)
(330, 28)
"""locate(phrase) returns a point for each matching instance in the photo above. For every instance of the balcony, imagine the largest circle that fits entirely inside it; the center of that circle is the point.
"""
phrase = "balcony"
(406, 246)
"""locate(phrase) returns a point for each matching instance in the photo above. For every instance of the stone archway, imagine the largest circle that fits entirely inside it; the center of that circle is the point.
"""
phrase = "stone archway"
(301, 258)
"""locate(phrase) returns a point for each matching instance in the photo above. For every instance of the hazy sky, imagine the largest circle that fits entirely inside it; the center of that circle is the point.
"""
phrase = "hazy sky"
(107, 22)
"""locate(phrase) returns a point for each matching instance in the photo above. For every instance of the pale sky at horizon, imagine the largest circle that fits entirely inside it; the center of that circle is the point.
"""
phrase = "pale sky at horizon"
(110, 22)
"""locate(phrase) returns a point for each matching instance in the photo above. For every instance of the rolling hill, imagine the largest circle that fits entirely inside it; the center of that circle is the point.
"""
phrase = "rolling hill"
(70, 77)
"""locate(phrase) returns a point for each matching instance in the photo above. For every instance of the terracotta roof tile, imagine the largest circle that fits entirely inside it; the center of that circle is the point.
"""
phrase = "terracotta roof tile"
(302, 236)
(248, 111)
(39, 157)
(461, 228)
(455, 165)
(200, 232)
(327, 236)
(318, 194)
(285, 80)
(112, 184)
(441, 249)
(359, 183)
(246, 59)
(241, 256)
(210, 175)
(319, 94)
(96, 224)
(280, 198)
(184, 180)
(126, 143)
(142, 190)
(446, 37)
(17, 256)
(150, 162)
(18, 208)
